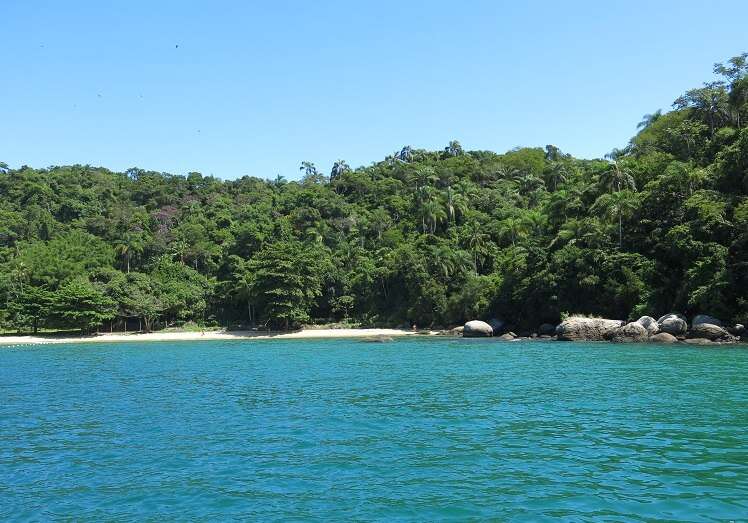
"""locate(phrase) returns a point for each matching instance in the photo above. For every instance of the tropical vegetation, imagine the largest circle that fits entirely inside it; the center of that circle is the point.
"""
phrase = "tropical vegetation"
(426, 237)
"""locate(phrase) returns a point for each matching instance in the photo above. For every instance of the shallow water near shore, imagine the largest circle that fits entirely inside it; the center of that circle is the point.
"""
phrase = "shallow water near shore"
(416, 429)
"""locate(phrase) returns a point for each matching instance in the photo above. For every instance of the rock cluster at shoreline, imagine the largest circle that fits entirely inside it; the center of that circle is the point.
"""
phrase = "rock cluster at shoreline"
(670, 328)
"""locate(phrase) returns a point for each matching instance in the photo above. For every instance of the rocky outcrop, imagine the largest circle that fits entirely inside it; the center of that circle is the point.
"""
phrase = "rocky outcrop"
(497, 325)
(650, 324)
(629, 333)
(737, 330)
(547, 329)
(705, 318)
(710, 332)
(507, 337)
(673, 323)
(477, 329)
(663, 337)
(589, 329)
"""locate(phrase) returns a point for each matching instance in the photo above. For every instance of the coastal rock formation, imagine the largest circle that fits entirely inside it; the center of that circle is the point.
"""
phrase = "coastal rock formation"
(709, 332)
(705, 318)
(497, 325)
(591, 329)
(737, 330)
(650, 324)
(506, 337)
(630, 332)
(477, 329)
(663, 337)
(547, 329)
(673, 323)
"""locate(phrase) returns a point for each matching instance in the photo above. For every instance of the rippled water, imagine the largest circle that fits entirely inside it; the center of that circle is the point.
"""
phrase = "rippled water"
(343, 430)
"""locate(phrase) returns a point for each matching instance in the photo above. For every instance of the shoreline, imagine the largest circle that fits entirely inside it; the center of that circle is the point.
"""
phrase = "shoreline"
(209, 336)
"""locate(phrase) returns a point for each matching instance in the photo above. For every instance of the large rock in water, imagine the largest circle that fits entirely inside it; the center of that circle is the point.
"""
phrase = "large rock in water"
(709, 332)
(649, 323)
(663, 337)
(705, 318)
(477, 329)
(547, 329)
(497, 325)
(673, 323)
(590, 329)
(630, 332)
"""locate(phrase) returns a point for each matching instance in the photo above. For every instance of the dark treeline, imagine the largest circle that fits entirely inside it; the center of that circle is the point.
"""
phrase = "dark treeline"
(431, 237)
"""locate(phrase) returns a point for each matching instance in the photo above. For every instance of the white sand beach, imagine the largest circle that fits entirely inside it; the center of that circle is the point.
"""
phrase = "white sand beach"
(209, 335)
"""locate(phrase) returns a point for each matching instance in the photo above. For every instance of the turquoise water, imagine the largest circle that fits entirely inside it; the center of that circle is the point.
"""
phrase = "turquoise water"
(336, 430)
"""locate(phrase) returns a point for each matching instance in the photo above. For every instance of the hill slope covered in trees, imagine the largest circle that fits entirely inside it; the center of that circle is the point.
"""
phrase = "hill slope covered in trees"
(432, 237)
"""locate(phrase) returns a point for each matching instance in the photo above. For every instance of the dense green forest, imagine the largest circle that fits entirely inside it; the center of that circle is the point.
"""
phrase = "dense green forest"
(426, 237)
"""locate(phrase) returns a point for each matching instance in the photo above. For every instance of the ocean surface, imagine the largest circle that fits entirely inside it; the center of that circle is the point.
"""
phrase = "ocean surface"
(342, 430)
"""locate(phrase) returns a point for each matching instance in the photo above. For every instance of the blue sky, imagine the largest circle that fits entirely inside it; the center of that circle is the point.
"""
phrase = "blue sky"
(254, 88)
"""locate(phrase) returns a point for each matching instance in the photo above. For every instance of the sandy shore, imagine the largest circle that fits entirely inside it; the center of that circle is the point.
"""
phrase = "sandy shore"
(209, 335)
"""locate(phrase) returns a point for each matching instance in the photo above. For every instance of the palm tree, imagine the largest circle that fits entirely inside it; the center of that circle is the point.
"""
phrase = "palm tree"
(443, 259)
(649, 119)
(710, 102)
(571, 231)
(453, 148)
(309, 168)
(380, 221)
(128, 246)
(432, 213)
(616, 206)
(557, 174)
(617, 178)
(338, 169)
(477, 242)
(455, 204)
(406, 154)
(526, 182)
(514, 227)
(423, 177)
(535, 220)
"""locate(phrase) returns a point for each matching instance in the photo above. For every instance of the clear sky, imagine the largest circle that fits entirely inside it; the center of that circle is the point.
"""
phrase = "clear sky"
(239, 87)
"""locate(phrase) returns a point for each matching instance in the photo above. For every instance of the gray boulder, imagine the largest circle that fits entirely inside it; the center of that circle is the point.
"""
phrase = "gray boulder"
(477, 329)
(705, 318)
(506, 337)
(631, 332)
(738, 329)
(547, 329)
(673, 323)
(590, 329)
(663, 337)
(497, 325)
(671, 315)
(649, 323)
(709, 332)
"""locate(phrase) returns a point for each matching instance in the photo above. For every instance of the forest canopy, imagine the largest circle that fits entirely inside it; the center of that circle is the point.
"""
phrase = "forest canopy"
(427, 237)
